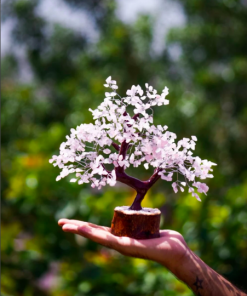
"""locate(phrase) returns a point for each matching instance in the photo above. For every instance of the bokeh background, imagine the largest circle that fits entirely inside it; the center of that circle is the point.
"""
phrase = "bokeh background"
(56, 55)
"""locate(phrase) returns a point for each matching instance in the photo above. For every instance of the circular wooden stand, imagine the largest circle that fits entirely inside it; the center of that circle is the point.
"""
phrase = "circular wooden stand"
(143, 224)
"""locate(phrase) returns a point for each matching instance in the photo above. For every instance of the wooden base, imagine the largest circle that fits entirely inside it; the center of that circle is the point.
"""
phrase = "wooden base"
(143, 224)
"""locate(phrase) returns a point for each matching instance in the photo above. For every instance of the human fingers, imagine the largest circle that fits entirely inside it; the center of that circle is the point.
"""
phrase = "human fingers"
(125, 245)
(163, 233)
(94, 232)
(152, 249)
(62, 222)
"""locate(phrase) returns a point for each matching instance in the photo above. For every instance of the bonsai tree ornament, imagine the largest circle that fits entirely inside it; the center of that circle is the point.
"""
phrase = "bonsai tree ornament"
(100, 153)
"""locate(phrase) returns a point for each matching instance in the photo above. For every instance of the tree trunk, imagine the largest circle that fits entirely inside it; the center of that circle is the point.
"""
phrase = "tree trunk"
(136, 205)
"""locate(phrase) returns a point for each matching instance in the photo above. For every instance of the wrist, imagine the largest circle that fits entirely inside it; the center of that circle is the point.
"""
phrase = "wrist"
(181, 263)
(176, 256)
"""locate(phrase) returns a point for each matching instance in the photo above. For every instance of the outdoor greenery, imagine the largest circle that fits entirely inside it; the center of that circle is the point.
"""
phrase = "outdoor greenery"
(208, 96)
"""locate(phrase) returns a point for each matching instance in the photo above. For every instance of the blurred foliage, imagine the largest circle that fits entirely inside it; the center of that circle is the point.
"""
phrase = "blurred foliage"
(208, 94)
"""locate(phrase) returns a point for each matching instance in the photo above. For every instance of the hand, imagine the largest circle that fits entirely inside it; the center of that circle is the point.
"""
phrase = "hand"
(169, 249)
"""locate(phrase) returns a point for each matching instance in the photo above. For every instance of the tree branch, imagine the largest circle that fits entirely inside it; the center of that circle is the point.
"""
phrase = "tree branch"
(105, 168)
(140, 186)
(116, 146)
(123, 149)
(136, 116)
(137, 184)
(154, 178)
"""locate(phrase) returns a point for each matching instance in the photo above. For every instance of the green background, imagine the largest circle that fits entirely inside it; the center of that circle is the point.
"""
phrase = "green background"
(208, 98)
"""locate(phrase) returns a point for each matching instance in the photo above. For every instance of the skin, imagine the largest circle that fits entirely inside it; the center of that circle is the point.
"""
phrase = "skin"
(170, 250)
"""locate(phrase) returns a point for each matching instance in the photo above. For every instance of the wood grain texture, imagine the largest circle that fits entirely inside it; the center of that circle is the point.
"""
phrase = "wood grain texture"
(136, 224)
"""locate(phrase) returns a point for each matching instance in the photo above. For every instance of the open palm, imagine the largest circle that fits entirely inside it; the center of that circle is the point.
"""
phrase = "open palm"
(169, 249)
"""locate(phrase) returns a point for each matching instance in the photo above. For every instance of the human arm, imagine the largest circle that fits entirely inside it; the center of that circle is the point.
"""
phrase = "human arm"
(170, 250)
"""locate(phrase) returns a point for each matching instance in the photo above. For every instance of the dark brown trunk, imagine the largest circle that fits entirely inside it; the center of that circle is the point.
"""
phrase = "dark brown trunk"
(136, 205)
